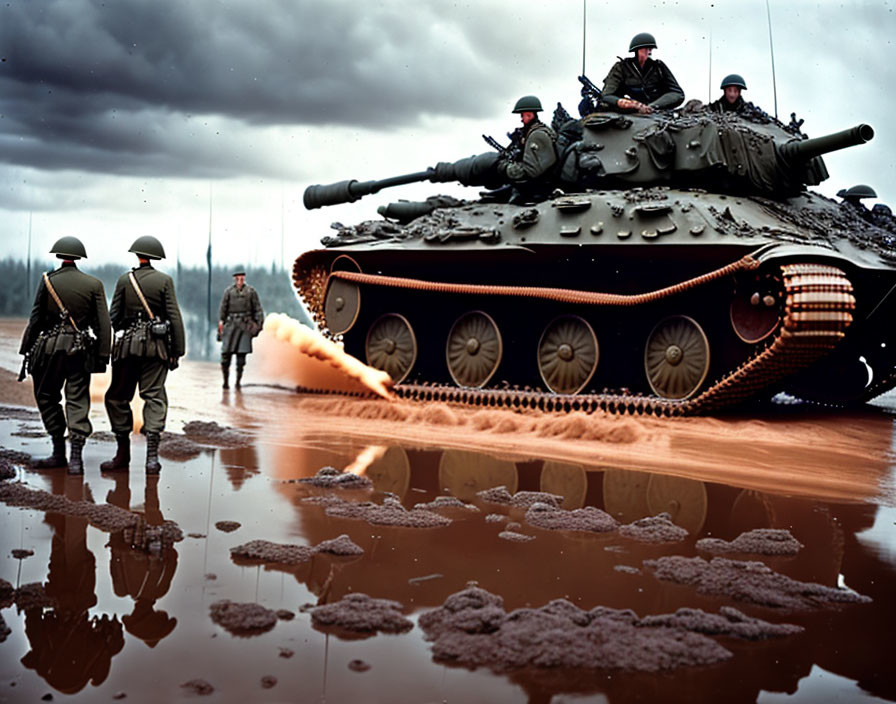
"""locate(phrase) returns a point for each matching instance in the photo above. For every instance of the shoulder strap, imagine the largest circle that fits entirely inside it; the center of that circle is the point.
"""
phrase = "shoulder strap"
(62, 308)
(140, 294)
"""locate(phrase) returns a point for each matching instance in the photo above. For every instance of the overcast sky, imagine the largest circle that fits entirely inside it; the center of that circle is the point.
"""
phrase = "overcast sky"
(125, 118)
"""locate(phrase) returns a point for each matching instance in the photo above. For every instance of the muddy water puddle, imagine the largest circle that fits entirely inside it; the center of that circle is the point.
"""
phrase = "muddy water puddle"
(117, 613)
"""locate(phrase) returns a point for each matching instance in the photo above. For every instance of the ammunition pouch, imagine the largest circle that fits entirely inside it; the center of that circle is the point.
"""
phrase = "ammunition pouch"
(140, 339)
(61, 339)
(160, 329)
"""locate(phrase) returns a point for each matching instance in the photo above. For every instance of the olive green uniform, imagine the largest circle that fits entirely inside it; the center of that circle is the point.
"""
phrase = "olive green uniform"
(533, 173)
(139, 358)
(653, 84)
(239, 310)
(56, 356)
(722, 105)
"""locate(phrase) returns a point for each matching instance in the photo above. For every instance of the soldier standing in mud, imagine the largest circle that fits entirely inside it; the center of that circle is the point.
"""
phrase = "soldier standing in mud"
(641, 83)
(240, 318)
(530, 167)
(731, 100)
(67, 339)
(149, 340)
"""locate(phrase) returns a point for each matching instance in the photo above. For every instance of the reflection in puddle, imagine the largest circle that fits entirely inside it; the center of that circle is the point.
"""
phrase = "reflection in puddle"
(129, 617)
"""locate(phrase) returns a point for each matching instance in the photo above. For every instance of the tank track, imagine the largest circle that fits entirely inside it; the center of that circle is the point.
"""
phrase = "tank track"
(818, 307)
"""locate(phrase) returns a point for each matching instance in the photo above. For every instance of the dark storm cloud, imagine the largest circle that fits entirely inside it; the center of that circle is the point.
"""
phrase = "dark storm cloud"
(84, 84)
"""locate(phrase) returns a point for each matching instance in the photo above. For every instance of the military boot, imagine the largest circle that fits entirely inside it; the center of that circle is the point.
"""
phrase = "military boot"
(122, 458)
(152, 453)
(225, 371)
(239, 377)
(57, 459)
(75, 463)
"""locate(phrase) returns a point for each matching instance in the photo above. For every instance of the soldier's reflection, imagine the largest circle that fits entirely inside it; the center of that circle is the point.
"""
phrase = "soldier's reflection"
(143, 575)
(240, 463)
(68, 647)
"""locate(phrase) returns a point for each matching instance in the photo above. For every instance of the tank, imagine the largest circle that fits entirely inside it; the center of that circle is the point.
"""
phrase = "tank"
(680, 265)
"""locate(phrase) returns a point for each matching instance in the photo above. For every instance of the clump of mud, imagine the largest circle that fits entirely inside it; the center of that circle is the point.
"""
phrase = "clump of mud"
(654, 529)
(626, 569)
(285, 615)
(472, 628)
(178, 448)
(15, 457)
(728, 622)
(751, 582)
(33, 596)
(389, 513)
(4, 629)
(200, 687)
(227, 526)
(515, 537)
(210, 433)
(521, 499)
(332, 478)
(7, 470)
(358, 666)
(106, 517)
(21, 553)
(268, 681)
(287, 554)
(446, 502)
(761, 541)
(342, 546)
(26, 431)
(589, 518)
(363, 614)
(18, 413)
(591, 426)
(495, 518)
(242, 619)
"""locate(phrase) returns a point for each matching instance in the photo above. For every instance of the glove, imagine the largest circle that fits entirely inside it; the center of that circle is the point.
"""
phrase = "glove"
(173, 364)
(99, 365)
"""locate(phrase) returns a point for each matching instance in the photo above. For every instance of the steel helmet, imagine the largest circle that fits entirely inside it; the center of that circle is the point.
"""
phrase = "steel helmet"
(239, 271)
(68, 248)
(149, 247)
(528, 103)
(644, 40)
(858, 191)
(733, 79)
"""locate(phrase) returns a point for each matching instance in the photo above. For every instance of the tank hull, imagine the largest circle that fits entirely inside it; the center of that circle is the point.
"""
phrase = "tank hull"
(657, 293)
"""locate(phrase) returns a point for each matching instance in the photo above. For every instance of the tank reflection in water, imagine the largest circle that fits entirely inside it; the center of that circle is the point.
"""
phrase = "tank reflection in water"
(120, 617)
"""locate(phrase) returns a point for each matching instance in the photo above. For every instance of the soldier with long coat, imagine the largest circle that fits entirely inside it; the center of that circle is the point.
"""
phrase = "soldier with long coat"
(143, 352)
(240, 317)
(60, 352)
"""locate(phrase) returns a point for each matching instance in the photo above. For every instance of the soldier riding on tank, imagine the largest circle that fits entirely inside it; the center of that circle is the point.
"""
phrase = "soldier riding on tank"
(641, 83)
(67, 339)
(731, 100)
(530, 167)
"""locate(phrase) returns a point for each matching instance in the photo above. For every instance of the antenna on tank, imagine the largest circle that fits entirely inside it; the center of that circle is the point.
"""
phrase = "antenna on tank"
(584, 25)
(709, 77)
(771, 46)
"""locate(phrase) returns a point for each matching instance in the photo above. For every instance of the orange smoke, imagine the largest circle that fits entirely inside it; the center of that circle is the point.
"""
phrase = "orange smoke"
(291, 351)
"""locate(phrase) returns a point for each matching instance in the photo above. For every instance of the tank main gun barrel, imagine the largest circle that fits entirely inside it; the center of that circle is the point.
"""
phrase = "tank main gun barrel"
(810, 148)
(476, 170)
(349, 191)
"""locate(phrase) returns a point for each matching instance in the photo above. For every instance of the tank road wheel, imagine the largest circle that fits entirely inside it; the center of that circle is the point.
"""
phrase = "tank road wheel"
(474, 349)
(676, 357)
(341, 305)
(567, 354)
(391, 346)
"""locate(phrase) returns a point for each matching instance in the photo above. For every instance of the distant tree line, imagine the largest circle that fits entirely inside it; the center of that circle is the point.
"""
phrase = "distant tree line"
(274, 288)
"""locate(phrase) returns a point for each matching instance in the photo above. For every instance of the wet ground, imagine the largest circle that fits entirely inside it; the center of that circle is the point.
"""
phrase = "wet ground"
(137, 613)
